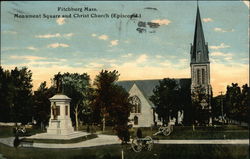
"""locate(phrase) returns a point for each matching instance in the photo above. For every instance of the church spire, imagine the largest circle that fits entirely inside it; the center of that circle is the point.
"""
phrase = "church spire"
(199, 49)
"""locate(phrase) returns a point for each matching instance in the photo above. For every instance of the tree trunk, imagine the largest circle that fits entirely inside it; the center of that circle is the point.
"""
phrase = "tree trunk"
(103, 123)
(76, 117)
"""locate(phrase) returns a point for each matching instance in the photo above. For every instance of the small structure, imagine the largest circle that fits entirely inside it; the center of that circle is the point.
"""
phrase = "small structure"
(60, 122)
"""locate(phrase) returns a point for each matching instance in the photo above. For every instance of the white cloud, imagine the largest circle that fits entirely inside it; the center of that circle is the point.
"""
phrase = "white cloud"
(9, 32)
(93, 35)
(158, 56)
(95, 65)
(32, 48)
(142, 58)
(60, 21)
(57, 35)
(103, 37)
(246, 3)
(207, 20)
(27, 57)
(127, 55)
(220, 54)
(222, 30)
(56, 45)
(113, 42)
(68, 35)
(161, 21)
(221, 46)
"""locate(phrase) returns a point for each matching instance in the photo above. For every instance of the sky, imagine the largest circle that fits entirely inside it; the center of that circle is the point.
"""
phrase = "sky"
(132, 46)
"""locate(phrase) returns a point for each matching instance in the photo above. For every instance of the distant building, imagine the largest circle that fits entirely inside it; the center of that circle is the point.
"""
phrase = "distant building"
(142, 114)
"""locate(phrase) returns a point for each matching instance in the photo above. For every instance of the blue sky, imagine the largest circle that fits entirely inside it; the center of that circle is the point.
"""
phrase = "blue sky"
(47, 46)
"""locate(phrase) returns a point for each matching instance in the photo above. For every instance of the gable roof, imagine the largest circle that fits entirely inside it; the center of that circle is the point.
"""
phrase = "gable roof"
(147, 86)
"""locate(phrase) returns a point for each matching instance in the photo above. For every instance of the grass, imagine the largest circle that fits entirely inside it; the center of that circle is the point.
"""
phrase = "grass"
(114, 152)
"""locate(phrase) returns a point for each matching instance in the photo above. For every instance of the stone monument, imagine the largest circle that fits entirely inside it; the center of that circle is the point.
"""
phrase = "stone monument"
(60, 124)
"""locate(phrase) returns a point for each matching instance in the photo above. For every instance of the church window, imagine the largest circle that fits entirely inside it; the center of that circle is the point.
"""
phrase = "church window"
(198, 76)
(135, 120)
(136, 102)
(203, 76)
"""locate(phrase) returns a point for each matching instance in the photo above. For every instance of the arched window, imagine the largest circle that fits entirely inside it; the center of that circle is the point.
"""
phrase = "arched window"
(198, 76)
(136, 102)
(203, 76)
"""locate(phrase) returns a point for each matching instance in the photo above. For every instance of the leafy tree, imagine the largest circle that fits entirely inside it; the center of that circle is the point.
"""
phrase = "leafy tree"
(112, 102)
(219, 103)
(237, 102)
(42, 104)
(22, 106)
(77, 87)
(233, 98)
(200, 106)
(6, 95)
(166, 99)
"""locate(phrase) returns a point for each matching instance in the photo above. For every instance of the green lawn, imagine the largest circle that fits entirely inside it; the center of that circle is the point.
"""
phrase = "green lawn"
(114, 152)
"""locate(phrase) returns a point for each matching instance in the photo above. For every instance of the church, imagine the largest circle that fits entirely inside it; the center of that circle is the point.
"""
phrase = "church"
(142, 114)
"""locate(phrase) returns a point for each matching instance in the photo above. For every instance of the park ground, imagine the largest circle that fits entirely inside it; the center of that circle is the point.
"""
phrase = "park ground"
(160, 151)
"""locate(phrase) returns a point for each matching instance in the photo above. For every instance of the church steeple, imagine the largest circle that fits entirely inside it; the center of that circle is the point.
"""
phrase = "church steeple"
(199, 49)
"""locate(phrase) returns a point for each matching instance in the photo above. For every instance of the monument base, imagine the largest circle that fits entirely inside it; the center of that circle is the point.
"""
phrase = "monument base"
(75, 134)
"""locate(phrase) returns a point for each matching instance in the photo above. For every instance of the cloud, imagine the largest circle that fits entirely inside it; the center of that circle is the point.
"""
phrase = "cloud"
(68, 35)
(47, 36)
(57, 35)
(32, 48)
(127, 55)
(27, 57)
(161, 21)
(223, 30)
(142, 58)
(56, 45)
(113, 42)
(95, 65)
(246, 3)
(103, 37)
(220, 54)
(221, 46)
(207, 20)
(9, 32)
(158, 56)
(60, 21)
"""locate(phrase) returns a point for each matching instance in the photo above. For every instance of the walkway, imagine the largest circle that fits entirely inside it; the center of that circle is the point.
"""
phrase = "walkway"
(110, 140)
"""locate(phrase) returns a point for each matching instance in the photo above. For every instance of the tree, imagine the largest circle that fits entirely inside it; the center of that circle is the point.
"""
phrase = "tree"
(200, 105)
(42, 104)
(6, 95)
(237, 102)
(22, 106)
(112, 102)
(166, 99)
(77, 87)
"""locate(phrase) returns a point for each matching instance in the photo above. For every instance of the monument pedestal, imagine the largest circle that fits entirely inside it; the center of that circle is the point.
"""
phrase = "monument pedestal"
(60, 124)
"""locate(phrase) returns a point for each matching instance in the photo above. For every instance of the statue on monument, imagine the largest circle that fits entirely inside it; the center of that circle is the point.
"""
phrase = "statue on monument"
(58, 81)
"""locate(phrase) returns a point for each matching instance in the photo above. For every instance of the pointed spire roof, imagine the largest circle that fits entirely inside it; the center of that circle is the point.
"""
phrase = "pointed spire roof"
(199, 49)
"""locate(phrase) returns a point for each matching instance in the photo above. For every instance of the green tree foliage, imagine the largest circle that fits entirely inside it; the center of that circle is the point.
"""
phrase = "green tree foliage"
(200, 106)
(16, 95)
(77, 87)
(219, 106)
(166, 99)
(237, 102)
(42, 104)
(111, 103)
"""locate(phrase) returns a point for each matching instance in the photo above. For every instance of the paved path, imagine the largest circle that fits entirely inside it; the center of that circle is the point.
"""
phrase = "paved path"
(110, 139)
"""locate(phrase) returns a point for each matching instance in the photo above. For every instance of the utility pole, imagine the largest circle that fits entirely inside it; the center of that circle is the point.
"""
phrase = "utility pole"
(221, 102)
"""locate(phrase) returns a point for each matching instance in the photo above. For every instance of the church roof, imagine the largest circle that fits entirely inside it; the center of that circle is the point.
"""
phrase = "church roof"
(199, 49)
(147, 86)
